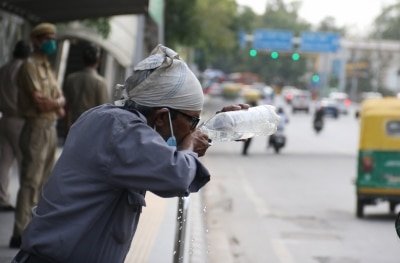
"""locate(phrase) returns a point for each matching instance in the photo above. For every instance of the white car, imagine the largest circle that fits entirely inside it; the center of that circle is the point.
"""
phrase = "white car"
(329, 107)
(342, 101)
(301, 101)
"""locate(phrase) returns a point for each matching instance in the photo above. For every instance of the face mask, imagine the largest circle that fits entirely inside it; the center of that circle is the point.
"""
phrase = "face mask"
(49, 47)
(171, 140)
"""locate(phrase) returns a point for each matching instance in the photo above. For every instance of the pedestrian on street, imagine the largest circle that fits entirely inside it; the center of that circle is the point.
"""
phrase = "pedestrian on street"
(10, 123)
(85, 89)
(40, 103)
(114, 153)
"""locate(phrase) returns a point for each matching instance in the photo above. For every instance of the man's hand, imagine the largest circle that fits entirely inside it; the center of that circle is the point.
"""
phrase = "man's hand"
(45, 104)
(234, 107)
(195, 141)
(200, 142)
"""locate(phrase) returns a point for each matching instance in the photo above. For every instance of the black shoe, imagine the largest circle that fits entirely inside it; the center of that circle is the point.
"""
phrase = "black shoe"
(7, 208)
(15, 242)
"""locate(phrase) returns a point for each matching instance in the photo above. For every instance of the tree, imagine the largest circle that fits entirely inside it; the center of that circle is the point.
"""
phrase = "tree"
(245, 19)
(281, 16)
(217, 34)
(387, 24)
(328, 24)
(101, 25)
(181, 23)
(205, 26)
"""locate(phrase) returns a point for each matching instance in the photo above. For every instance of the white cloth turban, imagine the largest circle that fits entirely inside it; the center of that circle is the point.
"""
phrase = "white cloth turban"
(171, 84)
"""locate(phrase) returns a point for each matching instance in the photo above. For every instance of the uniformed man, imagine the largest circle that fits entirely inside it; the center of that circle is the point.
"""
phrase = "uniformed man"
(40, 102)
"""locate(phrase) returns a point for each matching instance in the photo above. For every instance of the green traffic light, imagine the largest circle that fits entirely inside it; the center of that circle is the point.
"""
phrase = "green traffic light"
(315, 78)
(274, 55)
(295, 56)
(253, 52)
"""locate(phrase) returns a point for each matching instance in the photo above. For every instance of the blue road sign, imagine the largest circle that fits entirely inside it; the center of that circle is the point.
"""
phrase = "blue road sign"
(319, 42)
(279, 40)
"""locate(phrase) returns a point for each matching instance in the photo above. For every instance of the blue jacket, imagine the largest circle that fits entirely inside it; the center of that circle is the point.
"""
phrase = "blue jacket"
(91, 204)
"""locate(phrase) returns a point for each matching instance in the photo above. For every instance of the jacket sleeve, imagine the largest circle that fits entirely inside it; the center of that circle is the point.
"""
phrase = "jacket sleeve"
(143, 161)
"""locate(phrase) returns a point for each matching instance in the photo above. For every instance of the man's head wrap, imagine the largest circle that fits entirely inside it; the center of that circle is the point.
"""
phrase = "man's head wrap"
(171, 84)
(43, 29)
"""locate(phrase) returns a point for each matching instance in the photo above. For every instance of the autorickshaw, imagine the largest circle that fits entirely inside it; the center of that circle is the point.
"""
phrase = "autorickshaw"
(378, 177)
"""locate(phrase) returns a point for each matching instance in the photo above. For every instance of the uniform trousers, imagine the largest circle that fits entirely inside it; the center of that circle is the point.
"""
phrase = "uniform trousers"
(10, 130)
(38, 143)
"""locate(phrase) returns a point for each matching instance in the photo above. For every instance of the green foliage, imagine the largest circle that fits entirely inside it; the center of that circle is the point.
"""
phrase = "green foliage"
(244, 20)
(278, 15)
(328, 24)
(101, 25)
(387, 24)
(216, 35)
(211, 29)
(181, 23)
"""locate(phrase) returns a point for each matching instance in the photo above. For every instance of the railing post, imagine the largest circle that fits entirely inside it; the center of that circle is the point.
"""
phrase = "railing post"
(180, 233)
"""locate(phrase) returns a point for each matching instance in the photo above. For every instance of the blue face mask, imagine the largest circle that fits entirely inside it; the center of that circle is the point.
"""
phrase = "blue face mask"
(49, 47)
(171, 140)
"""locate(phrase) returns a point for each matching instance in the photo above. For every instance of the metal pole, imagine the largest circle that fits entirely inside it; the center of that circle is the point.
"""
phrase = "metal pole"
(180, 234)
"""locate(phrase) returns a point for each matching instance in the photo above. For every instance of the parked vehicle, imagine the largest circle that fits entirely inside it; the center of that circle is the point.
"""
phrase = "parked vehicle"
(288, 92)
(231, 90)
(378, 173)
(251, 95)
(342, 101)
(214, 89)
(267, 93)
(301, 101)
(330, 108)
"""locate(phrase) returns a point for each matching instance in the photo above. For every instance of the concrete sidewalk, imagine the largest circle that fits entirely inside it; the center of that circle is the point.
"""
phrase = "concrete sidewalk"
(155, 238)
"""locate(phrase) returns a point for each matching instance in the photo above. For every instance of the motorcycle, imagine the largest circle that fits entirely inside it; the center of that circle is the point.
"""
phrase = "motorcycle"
(318, 125)
(277, 141)
(318, 122)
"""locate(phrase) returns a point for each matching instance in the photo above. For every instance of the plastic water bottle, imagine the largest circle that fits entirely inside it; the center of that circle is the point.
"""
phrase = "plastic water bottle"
(242, 124)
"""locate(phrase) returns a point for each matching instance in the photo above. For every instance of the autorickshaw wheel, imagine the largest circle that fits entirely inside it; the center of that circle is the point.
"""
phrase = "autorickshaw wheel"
(360, 208)
(392, 206)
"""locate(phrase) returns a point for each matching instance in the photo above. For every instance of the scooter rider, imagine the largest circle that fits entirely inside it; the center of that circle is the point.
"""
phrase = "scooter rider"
(283, 120)
(281, 126)
(318, 122)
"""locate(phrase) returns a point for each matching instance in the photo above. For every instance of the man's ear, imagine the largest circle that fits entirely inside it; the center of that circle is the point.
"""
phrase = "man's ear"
(161, 117)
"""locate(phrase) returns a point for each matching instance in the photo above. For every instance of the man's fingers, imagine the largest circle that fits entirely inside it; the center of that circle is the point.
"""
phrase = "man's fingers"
(235, 107)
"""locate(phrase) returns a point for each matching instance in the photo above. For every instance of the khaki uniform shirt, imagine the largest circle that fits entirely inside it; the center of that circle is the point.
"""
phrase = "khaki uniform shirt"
(36, 75)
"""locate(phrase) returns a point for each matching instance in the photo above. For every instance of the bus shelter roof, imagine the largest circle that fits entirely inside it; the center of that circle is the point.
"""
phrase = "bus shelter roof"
(64, 11)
